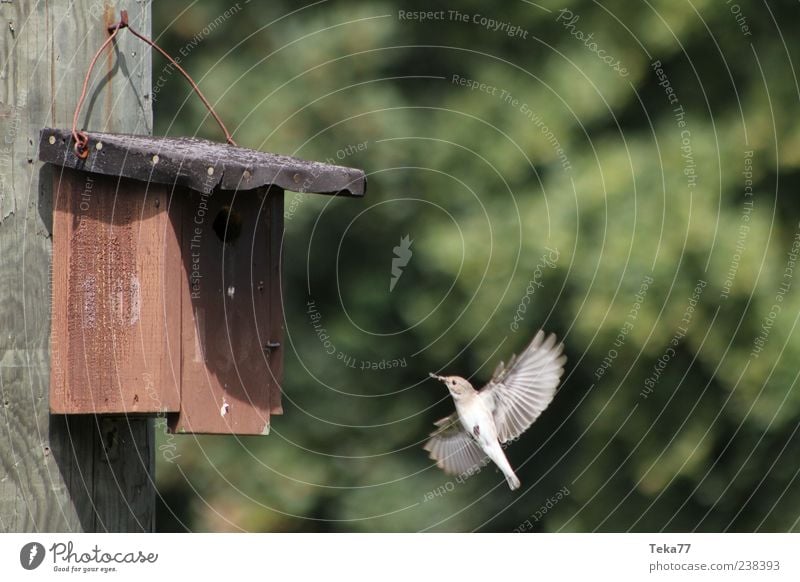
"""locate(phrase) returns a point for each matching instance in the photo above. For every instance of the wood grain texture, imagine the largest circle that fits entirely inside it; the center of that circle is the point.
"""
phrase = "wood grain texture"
(276, 354)
(116, 264)
(58, 473)
(198, 164)
(230, 277)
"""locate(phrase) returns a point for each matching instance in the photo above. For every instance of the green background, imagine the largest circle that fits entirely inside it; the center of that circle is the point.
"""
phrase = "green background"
(476, 181)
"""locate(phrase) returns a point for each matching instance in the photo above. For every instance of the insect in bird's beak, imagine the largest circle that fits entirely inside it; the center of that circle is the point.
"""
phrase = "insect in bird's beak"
(435, 377)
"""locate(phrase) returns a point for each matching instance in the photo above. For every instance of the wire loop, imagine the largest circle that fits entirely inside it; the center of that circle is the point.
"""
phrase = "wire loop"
(81, 138)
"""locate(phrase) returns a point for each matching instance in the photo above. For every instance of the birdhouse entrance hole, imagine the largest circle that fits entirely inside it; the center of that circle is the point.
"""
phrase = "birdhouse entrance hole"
(228, 224)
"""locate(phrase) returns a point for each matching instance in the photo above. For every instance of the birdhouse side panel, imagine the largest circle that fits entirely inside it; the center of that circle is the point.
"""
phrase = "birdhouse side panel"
(115, 259)
(275, 221)
(228, 349)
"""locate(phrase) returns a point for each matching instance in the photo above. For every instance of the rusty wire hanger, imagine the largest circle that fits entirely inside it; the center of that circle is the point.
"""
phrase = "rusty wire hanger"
(81, 137)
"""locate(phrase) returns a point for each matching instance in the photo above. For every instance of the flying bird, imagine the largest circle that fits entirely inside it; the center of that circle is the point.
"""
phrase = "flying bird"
(499, 412)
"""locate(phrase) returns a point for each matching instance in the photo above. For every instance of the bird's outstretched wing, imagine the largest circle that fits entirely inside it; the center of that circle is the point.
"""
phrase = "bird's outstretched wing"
(519, 392)
(452, 448)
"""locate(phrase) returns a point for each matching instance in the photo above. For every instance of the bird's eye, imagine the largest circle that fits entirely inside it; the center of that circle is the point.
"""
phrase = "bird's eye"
(453, 382)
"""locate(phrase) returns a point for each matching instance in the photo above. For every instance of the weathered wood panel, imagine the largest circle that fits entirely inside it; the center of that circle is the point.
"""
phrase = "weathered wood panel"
(76, 473)
(116, 265)
(277, 352)
(229, 280)
(199, 164)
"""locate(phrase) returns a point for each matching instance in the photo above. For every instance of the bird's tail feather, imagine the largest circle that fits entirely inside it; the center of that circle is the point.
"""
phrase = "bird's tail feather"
(499, 457)
(513, 480)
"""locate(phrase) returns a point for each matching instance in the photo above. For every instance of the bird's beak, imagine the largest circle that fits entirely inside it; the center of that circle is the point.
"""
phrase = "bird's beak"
(435, 377)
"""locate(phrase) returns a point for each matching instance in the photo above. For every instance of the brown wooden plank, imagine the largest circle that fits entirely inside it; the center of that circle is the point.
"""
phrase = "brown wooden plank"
(114, 253)
(275, 324)
(226, 380)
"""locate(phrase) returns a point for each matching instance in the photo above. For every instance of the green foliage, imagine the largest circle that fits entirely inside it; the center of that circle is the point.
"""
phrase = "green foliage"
(480, 186)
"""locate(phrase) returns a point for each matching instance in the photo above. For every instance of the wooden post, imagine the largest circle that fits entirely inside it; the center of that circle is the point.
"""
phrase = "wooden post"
(79, 473)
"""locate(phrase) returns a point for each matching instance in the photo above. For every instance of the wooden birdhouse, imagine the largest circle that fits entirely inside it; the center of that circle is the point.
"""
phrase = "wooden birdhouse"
(166, 277)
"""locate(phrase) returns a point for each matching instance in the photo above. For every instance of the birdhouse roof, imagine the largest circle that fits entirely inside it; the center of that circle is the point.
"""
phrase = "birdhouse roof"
(197, 163)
